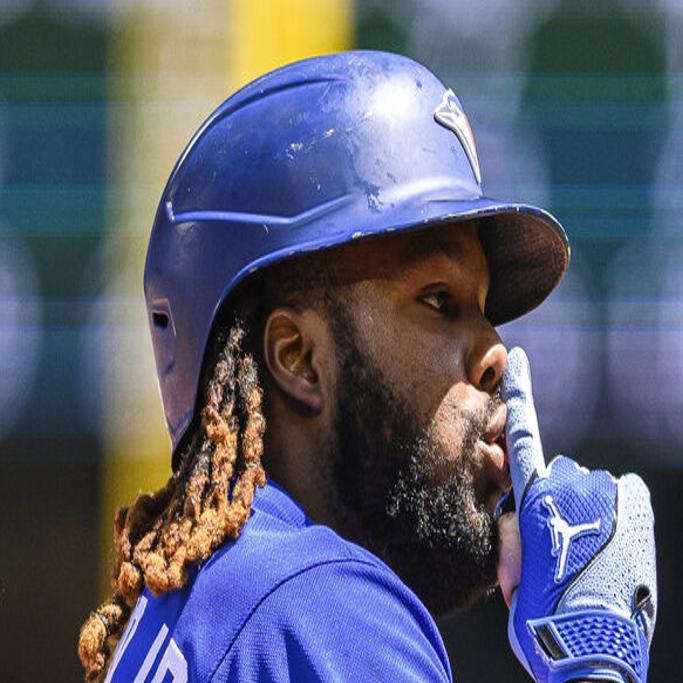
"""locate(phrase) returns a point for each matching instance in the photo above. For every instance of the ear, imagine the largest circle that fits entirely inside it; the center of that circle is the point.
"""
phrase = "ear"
(291, 354)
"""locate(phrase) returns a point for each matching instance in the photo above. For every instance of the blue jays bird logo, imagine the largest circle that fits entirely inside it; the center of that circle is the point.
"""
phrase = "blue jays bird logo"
(449, 113)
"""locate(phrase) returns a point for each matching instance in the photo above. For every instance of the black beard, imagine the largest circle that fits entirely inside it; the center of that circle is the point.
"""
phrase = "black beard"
(397, 494)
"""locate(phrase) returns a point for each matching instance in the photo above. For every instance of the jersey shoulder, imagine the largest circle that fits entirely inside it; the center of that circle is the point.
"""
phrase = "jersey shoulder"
(277, 545)
(339, 619)
(288, 600)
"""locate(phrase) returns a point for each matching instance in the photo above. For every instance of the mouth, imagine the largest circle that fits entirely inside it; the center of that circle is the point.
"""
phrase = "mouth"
(492, 445)
(494, 435)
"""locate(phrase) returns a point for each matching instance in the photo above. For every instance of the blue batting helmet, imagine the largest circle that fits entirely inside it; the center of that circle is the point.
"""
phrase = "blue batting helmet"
(313, 155)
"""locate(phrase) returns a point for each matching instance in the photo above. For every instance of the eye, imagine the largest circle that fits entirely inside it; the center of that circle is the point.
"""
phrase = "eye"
(440, 301)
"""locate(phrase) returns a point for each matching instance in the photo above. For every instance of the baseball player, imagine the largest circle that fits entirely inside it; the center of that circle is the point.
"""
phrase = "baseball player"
(323, 280)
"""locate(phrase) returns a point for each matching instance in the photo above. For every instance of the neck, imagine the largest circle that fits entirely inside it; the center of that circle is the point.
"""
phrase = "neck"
(298, 462)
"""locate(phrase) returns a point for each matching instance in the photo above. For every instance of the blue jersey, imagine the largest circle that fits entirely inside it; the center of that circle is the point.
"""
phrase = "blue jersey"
(290, 600)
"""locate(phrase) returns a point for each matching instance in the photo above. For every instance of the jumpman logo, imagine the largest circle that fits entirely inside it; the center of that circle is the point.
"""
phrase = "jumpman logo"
(562, 534)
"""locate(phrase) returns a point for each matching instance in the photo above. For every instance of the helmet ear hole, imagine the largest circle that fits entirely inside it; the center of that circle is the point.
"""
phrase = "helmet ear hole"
(163, 335)
(160, 320)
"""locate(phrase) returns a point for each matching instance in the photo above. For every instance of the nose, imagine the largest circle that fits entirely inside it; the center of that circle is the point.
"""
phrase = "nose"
(488, 359)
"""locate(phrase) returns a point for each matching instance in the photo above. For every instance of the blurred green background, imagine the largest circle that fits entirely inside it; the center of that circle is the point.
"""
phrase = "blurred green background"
(576, 106)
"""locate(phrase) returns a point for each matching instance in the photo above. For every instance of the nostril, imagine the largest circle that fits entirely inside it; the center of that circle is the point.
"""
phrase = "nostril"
(487, 361)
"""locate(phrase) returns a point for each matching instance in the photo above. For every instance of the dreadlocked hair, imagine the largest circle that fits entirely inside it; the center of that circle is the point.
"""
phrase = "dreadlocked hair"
(206, 500)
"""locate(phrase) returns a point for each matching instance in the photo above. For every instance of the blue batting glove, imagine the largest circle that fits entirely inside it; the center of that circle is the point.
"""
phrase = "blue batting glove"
(585, 606)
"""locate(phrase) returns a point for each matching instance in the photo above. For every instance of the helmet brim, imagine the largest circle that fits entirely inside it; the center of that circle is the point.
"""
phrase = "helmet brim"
(527, 252)
(527, 249)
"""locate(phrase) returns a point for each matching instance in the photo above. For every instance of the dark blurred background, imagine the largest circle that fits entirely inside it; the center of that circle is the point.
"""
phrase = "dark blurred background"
(576, 106)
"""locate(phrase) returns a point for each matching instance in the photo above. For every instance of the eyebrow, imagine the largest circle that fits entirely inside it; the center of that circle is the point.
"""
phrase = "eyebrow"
(424, 247)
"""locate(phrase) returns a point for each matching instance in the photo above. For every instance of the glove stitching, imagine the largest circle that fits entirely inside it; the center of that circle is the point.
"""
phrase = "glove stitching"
(532, 479)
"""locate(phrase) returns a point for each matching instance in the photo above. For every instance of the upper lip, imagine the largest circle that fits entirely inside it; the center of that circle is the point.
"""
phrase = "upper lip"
(495, 429)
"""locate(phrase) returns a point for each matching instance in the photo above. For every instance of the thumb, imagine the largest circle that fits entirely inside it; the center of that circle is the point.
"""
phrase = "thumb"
(509, 567)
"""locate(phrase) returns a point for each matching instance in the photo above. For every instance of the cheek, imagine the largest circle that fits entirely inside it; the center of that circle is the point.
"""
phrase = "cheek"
(428, 371)
(449, 422)
(424, 360)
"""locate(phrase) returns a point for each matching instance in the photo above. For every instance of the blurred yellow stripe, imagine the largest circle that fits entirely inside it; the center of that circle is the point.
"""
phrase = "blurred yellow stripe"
(270, 33)
(175, 67)
(172, 72)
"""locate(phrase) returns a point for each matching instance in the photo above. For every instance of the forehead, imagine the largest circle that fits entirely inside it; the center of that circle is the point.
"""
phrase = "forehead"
(456, 245)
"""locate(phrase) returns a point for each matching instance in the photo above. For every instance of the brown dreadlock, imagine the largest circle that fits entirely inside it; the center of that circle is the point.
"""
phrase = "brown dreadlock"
(209, 498)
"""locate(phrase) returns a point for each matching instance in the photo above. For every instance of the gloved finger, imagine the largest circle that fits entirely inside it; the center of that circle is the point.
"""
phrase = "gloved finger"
(525, 452)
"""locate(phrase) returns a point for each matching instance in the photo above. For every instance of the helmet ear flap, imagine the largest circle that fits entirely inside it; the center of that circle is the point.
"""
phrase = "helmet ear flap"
(243, 307)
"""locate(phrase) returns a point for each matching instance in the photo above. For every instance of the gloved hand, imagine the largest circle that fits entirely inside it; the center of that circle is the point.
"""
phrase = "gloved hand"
(585, 606)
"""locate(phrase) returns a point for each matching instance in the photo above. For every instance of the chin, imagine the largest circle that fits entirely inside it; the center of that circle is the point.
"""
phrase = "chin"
(445, 581)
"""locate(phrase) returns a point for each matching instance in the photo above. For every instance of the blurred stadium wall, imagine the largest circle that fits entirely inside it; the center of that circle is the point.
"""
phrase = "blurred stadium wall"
(576, 105)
